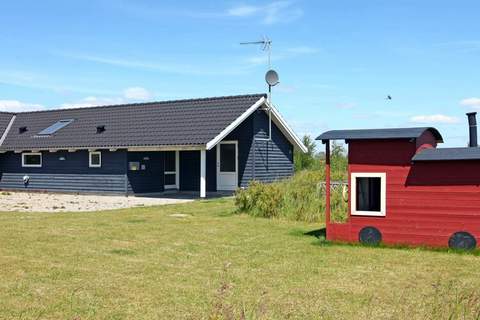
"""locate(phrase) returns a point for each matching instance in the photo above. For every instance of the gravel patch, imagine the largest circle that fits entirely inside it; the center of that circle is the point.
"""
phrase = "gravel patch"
(51, 202)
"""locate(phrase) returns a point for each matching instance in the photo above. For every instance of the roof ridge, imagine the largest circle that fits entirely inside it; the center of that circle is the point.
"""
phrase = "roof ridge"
(148, 103)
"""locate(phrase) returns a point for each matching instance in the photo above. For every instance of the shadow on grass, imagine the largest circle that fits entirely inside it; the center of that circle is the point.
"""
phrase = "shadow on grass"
(320, 235)
(326, 243)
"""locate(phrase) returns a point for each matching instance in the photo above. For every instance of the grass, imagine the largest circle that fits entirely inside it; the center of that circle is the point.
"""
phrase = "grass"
(206, 262)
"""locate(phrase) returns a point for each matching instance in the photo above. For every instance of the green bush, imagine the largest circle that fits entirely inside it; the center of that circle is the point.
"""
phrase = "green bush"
(301, 198)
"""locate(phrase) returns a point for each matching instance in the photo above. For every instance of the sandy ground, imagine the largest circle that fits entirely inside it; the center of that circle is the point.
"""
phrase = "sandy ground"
(50, 202)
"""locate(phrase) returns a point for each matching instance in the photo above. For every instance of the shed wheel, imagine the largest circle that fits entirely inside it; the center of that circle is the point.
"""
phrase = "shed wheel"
(370, 236)
(462, 240)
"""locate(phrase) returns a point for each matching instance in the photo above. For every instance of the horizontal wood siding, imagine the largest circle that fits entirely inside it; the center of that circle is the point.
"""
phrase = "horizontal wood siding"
(150, 180)
(265, 161)
(425, 202)
(92, 183)
(70, 175)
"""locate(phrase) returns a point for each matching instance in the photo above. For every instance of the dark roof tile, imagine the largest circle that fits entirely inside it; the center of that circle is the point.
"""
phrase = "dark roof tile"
(447, 154)
(179, 122)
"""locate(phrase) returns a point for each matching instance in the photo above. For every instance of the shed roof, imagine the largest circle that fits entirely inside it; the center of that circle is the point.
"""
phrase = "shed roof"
(376, 134)
(448, 154)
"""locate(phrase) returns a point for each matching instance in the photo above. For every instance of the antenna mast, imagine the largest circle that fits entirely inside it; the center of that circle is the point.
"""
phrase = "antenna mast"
(271, 77)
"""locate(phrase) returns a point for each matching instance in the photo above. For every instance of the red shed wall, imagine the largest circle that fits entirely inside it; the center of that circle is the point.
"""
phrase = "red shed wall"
(425, 202)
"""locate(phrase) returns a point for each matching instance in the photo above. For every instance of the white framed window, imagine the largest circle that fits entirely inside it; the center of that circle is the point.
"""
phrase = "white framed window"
(171, 170)
(368, 197)
(95, 159)
(32, 160)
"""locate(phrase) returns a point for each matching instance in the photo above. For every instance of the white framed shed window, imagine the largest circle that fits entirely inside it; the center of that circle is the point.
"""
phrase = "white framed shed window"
(32, 160)
(95, 159)
(368, 196)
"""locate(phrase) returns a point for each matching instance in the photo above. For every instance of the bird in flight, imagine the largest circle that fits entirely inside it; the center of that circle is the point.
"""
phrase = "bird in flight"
(389, 97)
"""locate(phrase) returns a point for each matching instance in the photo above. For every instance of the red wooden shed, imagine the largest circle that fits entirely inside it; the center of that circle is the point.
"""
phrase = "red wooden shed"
(405, 190)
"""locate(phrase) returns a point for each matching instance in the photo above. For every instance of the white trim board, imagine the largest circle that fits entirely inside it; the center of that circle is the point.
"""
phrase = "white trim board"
(7, 130)
(383, 193)
(276, 117)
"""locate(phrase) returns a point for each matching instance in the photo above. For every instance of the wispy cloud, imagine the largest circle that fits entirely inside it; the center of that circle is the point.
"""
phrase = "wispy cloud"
(345, 105)
(44, 82)
(462, 45)
(172, 67)
(18, 106)
(471, 102)
(137, 93)
(282, 54)
(270, 13)
(129, 95)
(434, 118)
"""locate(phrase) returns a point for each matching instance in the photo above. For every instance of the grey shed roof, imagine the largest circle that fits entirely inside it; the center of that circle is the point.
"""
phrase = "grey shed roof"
(180, 122)
(446, 154)
(376, 134)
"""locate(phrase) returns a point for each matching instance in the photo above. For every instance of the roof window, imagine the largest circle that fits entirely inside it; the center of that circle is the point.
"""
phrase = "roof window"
(55, 127)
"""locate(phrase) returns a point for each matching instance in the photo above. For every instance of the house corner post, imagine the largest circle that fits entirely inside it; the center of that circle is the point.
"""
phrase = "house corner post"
(203, 173)
(327, 183)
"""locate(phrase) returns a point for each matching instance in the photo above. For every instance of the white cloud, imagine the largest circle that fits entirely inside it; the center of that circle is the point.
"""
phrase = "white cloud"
(137, 93)
(131, 94)
(271, 13)
(93, 101)
(471, 102)
(243, 11)
(303, 50)
(345, 105)
(18, 106)
(434, 118)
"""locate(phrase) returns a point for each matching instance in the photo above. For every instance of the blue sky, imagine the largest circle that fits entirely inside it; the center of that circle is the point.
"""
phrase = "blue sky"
(337, 60)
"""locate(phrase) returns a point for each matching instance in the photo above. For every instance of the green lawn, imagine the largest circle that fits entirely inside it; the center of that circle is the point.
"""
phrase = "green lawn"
(212, 264)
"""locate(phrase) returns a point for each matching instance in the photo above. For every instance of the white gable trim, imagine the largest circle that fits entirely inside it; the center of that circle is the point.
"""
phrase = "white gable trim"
(276, 117)
(212, 143)
(286, 130)
(7, 130)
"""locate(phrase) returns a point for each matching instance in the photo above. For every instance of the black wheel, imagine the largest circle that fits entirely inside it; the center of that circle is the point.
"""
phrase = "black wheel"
(370, 236)
(462, 240)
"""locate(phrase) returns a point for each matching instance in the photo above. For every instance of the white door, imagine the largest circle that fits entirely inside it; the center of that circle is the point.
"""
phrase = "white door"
(227, 165)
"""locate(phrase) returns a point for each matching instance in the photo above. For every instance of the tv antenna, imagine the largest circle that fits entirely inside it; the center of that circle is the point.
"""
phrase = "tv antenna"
(266, 45)
(271, 77)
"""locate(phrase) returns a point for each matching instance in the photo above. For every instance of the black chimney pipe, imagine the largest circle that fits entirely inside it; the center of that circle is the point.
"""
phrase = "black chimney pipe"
(472, 124)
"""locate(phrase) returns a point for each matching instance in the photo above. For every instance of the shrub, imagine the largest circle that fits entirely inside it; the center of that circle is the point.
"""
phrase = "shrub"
(301, 198)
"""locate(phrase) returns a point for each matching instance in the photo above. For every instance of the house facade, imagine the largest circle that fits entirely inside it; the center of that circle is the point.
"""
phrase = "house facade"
(204, 145)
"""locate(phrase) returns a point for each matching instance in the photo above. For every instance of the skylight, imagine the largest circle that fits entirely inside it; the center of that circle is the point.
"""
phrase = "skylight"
(55, 127)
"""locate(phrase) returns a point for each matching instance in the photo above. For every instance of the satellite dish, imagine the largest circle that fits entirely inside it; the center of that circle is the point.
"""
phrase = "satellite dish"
(271, 77)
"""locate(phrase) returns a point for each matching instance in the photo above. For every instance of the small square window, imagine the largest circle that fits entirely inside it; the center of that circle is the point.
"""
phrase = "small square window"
(368, 194)
(32, 160)
(95, 159)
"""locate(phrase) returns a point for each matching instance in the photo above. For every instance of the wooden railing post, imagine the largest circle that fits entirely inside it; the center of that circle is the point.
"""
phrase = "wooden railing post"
(327, 183)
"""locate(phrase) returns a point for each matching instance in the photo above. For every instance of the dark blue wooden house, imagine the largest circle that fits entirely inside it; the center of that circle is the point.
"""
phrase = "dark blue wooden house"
(211, 144)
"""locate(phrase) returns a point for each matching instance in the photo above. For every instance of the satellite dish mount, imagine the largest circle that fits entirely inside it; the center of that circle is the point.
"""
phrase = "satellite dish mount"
(271, 77)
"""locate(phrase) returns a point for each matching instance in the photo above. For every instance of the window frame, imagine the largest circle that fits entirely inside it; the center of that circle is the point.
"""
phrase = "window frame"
(25, 165)
(93, 165)
(176, 172)
(383, 193)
